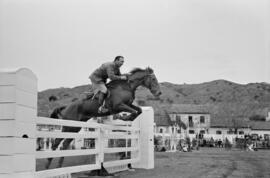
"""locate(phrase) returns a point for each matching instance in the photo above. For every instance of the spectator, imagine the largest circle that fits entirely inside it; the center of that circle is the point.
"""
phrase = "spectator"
(219, 143)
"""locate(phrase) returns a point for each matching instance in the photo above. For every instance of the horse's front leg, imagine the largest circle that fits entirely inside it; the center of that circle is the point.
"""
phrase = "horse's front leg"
(134, 112)
(132, 117)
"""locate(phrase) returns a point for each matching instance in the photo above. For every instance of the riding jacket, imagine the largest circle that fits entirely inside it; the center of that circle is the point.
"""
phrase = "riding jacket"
(105, 71)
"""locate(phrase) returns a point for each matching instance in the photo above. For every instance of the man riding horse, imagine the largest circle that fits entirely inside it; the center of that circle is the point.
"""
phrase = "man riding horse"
(99, 77)
(120, 99)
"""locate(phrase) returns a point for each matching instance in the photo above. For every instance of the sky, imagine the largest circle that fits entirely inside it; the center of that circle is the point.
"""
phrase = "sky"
(184, 41)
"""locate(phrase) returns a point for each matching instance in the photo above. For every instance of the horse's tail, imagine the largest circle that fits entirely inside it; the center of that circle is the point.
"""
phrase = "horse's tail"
(57, 112)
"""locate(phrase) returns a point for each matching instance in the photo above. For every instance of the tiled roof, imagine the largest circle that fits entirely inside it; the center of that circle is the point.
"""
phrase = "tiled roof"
(187, 109)
(236, 121)
(241, 123)
(259, 125)
(162, 118)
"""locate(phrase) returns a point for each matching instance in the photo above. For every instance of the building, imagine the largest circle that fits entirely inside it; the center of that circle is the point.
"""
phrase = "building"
(238, 127)
(167, 131)
(196, 118)
(180, 121)
(222, 128)
(260, 128)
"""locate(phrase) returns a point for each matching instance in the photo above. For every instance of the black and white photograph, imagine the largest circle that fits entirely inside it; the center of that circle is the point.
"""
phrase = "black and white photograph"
(135, 88)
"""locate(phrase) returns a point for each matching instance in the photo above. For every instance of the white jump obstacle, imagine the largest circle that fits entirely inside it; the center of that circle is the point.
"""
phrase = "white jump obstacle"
(18, 134)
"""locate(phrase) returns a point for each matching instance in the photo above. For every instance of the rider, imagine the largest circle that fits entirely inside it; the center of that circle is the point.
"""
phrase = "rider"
(99, 77)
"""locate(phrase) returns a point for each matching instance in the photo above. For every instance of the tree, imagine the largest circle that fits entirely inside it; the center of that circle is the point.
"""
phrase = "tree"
(181, 124)
(257, 117)
(52, 98)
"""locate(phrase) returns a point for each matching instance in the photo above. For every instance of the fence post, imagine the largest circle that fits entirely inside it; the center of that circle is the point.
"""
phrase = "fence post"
(145, 121)
(18, 111)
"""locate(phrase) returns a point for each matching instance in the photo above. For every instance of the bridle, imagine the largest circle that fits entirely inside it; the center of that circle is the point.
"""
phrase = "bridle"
(142, 79)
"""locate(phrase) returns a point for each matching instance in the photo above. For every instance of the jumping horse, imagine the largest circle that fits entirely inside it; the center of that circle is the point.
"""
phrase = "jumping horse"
(120, 99)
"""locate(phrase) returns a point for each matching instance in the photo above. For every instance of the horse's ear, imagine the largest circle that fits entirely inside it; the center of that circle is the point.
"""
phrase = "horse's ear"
(150, 70)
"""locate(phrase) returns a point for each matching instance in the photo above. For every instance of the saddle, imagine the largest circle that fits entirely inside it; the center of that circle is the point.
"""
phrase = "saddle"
(91, 95)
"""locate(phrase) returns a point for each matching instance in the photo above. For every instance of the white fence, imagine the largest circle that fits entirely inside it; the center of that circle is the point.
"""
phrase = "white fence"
(18, 134)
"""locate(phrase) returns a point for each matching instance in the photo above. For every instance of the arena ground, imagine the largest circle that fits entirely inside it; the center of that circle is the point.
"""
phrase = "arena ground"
(207, 163)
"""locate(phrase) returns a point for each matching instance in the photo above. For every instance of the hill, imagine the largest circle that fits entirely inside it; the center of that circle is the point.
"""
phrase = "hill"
(225, 100)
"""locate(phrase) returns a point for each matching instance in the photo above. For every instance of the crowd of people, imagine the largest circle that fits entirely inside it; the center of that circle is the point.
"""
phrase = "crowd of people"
(248, 143)
(252, 143)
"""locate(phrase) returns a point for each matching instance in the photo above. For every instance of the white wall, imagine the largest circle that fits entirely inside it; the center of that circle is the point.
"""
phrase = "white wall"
(225, 130)
(260, 132)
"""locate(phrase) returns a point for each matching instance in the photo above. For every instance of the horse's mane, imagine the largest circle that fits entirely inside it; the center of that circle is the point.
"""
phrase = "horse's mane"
(137, 69)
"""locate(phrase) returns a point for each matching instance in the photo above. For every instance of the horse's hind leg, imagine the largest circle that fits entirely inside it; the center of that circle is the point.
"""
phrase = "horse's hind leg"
(65, 146)
(54, 147)
(67, 141)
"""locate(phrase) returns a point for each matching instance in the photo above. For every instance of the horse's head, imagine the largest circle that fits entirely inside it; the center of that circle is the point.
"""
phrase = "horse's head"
(147, 79)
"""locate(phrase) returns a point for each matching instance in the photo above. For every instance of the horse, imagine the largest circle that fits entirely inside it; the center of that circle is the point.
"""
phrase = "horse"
(120, 99)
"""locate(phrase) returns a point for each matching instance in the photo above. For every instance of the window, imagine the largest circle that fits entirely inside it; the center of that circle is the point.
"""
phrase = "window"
(202, 119)
(202, 131)
(241, 132)
(191, 132)
(218, 132)
(172, 130)
(190, 121)
(179, 131)
(160, 130)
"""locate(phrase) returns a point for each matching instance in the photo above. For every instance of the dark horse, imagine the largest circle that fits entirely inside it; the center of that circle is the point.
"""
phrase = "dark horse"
(120, 99)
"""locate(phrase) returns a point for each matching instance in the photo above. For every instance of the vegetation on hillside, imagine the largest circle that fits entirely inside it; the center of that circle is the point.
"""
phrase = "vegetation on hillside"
(226, 100)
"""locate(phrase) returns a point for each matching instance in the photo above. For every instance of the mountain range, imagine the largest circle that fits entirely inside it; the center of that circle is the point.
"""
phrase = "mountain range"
(225, 100)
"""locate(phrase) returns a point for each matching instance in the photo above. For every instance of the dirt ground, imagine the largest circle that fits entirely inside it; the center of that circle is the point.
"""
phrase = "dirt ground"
(207, 163)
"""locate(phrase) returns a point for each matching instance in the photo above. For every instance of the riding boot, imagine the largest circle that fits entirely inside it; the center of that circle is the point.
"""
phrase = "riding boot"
(101, 97)
(101, 103)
